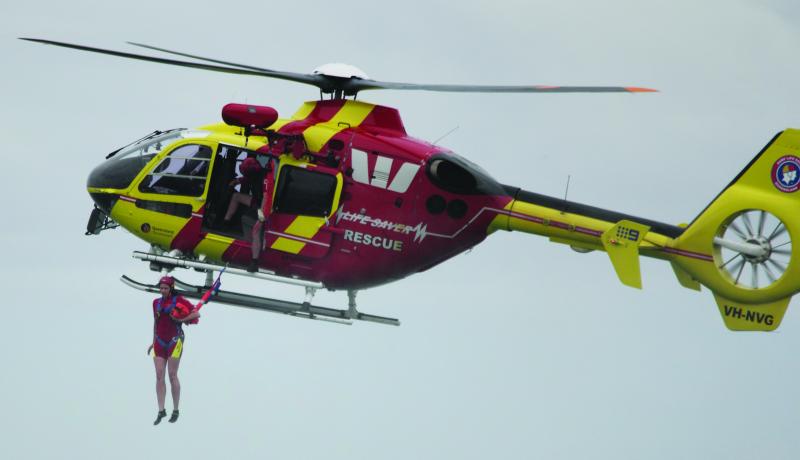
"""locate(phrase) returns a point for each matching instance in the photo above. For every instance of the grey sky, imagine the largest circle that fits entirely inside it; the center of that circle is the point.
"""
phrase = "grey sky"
(519, 349)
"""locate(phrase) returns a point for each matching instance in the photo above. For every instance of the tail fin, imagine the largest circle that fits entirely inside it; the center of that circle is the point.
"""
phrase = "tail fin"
(743, 240)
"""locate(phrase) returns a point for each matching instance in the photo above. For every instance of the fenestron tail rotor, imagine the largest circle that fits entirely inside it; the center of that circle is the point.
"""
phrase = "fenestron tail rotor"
(334, 82)
(754, 249)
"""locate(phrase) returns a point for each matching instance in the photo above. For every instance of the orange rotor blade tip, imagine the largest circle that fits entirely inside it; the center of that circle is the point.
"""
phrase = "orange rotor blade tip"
(634, 89)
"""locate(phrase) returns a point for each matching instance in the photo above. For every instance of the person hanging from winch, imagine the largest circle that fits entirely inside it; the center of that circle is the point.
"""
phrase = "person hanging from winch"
(259, 181)
(170, 312)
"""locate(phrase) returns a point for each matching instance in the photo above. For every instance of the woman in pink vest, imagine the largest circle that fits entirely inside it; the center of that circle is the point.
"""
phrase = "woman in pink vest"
(170, 312)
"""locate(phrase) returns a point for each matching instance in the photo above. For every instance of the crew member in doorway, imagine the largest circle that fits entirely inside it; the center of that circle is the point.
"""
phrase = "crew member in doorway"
(263, 215)
(259, 181)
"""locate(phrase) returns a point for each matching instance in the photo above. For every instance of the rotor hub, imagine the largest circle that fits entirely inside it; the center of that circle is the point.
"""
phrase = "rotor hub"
(340, 70)
(763, 242)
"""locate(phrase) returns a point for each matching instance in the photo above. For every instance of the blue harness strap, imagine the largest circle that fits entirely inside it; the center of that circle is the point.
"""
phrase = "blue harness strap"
(169, 344)
(167, 310)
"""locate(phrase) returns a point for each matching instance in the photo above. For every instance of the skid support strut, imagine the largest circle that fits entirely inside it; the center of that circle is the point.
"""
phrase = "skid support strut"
(351, 305)
(310, 291)
(353, 313)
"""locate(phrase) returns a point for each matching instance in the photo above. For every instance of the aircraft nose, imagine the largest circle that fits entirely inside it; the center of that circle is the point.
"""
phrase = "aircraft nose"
(112, 178)
(104, 201)
(115, 173)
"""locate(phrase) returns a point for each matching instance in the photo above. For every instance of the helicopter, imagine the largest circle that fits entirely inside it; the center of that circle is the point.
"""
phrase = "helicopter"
(356, 203)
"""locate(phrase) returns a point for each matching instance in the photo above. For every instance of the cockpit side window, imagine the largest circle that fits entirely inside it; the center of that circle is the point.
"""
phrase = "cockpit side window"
(183, 172)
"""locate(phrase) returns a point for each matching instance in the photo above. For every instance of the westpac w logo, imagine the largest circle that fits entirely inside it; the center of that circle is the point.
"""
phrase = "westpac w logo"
(359, 161)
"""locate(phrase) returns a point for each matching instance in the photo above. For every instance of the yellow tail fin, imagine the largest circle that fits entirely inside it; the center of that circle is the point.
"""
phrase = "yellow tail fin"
(749, 232)
(621, 242)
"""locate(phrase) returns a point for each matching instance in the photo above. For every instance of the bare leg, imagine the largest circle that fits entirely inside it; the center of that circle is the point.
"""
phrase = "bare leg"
(236, 200)
(255, 245)
(174, 383)
(161, 385)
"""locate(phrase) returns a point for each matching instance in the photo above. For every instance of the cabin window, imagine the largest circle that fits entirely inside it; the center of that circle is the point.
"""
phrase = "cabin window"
(183, 172)
(304, 192)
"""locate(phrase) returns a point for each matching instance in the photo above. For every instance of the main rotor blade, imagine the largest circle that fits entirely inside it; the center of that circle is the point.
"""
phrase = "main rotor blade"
(241, 70)
(349, 86)
(217, 61)
(358, 85)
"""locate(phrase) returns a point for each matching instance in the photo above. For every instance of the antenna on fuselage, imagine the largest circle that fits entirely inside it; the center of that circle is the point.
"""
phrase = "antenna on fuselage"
(444, 135)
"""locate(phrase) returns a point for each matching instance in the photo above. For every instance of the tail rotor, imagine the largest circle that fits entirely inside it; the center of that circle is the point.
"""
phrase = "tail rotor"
(745, 239)
(753, 249)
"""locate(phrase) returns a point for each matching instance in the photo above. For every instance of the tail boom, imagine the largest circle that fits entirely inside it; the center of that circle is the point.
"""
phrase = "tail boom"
(740, 246)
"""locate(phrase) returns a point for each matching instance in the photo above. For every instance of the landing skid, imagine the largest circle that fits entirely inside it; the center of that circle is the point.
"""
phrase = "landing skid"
(300, 310)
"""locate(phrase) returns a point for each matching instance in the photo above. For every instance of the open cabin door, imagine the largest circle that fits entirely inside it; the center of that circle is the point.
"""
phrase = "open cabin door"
(226, 239)
(223, 186)
(304, 201)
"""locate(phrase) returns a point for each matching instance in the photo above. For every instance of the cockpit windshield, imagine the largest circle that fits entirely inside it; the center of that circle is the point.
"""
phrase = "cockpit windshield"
(147, 147)
(123, 165)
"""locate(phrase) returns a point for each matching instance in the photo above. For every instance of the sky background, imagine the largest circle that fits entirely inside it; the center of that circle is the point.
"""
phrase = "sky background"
(518, 349)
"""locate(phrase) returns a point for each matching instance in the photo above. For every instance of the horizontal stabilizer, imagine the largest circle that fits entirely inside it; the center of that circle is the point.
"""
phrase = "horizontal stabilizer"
(621, 242)
(748, 317)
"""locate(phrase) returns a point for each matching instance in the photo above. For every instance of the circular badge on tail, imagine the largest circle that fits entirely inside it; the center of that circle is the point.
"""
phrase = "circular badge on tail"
(786, 174)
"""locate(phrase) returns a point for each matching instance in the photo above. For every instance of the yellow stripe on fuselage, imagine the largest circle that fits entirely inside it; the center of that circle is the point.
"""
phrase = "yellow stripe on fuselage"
(350, 115)
(287, 245)
(214, 246)
(304, 227)
(304, 111)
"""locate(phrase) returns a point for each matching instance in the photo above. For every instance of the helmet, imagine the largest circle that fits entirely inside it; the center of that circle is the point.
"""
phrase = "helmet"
(168, 280)
(250, 166)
